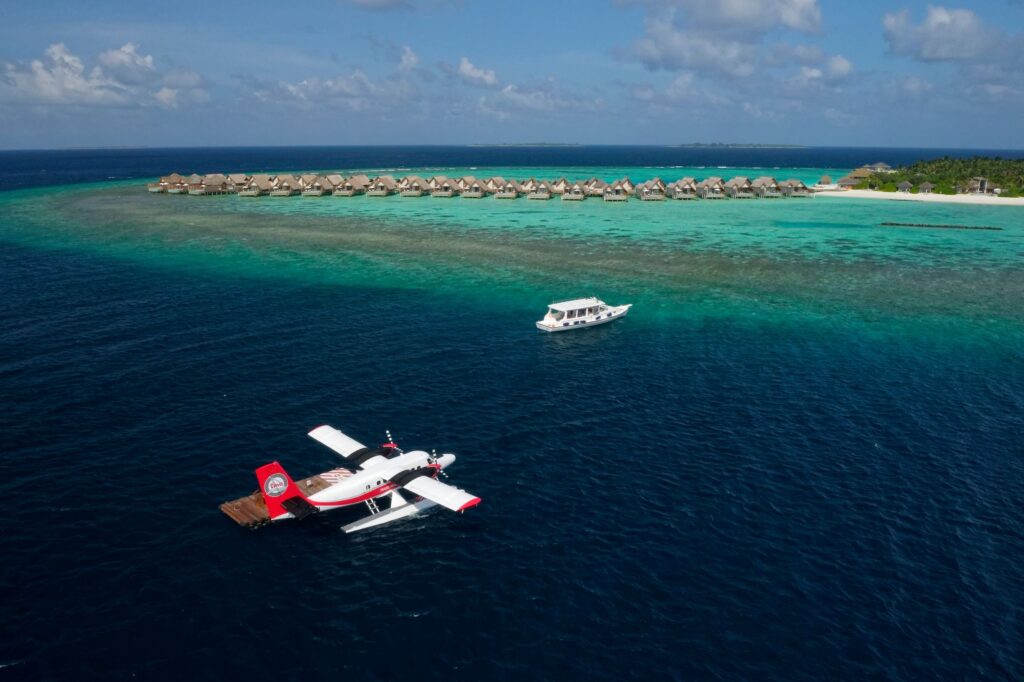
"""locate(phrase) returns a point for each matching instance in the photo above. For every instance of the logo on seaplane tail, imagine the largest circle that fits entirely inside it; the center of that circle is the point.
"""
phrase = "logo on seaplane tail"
(275, 485)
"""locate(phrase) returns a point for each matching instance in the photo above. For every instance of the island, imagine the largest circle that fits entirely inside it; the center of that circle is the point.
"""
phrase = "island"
(735, 145)
(993, 176)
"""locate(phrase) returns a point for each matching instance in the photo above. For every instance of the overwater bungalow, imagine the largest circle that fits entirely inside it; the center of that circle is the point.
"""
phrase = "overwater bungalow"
(739, 187)
(904, 187)
(381, 186)
(320, 185)
(510, 189)
(528, 185)
(682, 189)
(307, 179)
(286, 186)
(471, 188)
(443, 187)
(214, 183)
(165, 183)
(351, 186)
(560, 186)
(194, 181)
(711, 188)
(237, 182)
(795, 189)
(577, 191)
(257, 186)
(494, 184)
(541, 191)
(925, 188)
(766, 187)
(595, 187)
(619, 190)
(412, 186)
(652, 190)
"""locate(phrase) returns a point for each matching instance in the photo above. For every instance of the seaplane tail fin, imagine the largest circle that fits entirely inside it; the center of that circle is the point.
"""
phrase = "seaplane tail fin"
(277, 488)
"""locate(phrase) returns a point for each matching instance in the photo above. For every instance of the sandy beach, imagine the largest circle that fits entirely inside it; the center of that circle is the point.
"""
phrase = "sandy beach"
(934, 198)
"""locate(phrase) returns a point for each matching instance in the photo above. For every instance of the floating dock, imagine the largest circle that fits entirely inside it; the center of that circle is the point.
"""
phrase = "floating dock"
(251, 511)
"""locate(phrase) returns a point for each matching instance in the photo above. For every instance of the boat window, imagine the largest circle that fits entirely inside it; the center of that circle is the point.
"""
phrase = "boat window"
(557, 314)
(571, 314)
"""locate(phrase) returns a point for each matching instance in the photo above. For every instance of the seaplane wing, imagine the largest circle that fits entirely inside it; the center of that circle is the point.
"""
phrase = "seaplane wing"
(349, 448)
(443, 494)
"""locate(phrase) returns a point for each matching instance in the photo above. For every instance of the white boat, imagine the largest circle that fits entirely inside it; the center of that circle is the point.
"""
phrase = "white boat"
(579, 313)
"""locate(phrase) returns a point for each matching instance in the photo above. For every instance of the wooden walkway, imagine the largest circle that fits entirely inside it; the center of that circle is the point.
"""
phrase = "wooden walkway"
(251, 511)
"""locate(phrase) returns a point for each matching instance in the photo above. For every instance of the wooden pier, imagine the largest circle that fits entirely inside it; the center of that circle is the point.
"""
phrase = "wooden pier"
(251, 511)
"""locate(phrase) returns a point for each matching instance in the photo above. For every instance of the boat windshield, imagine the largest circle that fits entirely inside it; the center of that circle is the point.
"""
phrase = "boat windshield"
(556, 314)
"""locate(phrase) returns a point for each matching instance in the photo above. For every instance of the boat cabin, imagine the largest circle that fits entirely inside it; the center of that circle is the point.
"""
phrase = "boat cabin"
(575, 311)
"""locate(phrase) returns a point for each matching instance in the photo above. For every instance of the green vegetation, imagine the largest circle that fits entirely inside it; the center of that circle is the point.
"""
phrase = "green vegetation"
(949, 174)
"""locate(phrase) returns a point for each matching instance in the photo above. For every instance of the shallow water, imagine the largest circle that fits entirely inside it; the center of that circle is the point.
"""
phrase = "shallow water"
(798, 458)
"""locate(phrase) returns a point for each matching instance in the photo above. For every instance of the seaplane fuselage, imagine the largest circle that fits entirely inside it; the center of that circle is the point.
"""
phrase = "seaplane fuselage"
(375, 481)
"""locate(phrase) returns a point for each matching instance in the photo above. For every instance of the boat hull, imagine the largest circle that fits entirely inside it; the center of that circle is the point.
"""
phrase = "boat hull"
(616, 313)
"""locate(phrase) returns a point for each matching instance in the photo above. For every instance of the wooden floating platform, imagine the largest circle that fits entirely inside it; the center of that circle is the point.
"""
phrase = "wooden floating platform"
(943, 227)
(251, 511)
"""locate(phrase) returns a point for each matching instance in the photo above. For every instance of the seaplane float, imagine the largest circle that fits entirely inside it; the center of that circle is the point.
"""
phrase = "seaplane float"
(391, 483)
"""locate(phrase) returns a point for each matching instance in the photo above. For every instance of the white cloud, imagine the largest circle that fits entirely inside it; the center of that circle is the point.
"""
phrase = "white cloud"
(681, 86)
(943, 35)
(128, 66)
(547, 97)
(474, 75)
(666, 47)
(60, 77)
(409, 59)
(755, 17)
(122, 77)
(167, 97)
(839, 67)
(784, 54)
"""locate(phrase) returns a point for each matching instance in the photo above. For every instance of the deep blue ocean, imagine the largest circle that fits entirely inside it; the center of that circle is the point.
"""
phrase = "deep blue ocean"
(686, 498)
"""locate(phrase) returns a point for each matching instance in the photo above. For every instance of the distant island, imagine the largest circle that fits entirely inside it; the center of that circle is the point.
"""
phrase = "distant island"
(528, 144)
(977, 175)
(735, 145)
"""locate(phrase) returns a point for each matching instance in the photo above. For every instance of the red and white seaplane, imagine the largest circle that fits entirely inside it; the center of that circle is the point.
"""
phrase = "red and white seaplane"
(407, 479)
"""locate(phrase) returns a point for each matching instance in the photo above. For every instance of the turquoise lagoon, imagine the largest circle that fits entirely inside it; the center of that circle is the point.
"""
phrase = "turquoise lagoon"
(796, 261)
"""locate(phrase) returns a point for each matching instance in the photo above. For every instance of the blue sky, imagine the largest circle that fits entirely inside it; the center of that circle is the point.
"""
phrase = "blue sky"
(903, 73)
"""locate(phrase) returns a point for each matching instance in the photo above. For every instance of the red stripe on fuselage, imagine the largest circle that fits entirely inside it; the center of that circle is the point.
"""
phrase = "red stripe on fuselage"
(376, 492)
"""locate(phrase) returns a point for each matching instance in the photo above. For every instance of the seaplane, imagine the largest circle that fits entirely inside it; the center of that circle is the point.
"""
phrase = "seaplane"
(391, 483)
